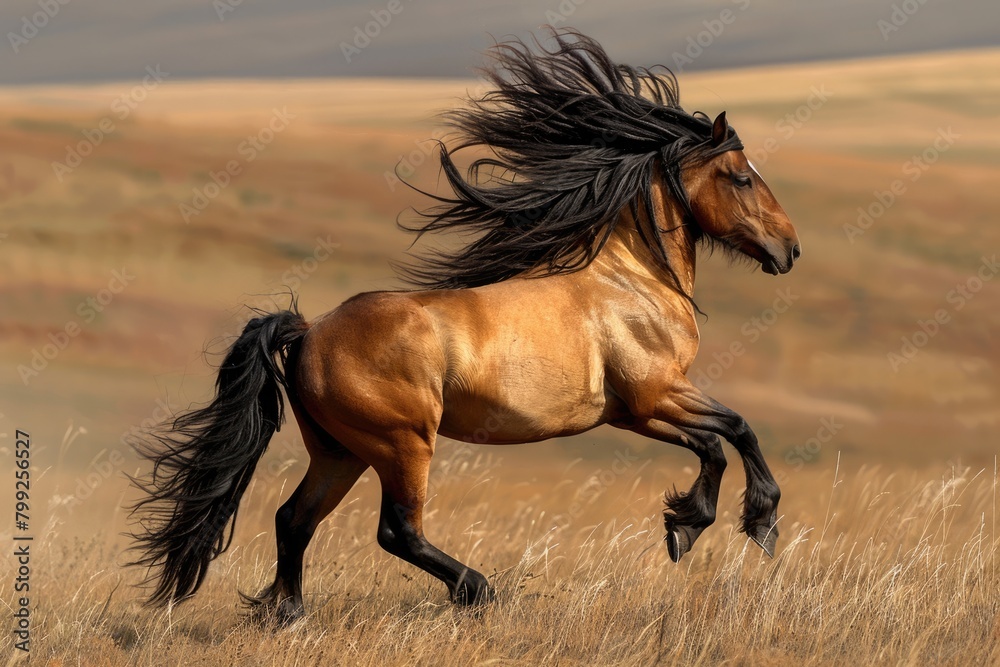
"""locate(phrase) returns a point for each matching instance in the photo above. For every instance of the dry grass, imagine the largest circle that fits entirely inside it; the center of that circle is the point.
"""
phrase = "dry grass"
(873, 569)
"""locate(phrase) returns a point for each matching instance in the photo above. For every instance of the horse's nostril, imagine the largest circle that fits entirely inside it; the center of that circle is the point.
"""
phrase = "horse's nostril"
(796, 252)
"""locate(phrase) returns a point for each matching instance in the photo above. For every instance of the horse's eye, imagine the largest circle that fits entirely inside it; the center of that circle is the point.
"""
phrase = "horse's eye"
(742, 180)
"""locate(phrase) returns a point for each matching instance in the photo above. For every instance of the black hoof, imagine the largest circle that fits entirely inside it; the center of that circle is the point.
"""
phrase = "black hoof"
(287, 614)
(472, 590)
(765, 535)
(269, 612)
(680, 539)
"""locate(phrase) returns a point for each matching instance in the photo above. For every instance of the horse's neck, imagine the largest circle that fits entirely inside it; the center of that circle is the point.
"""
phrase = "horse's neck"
(631, 259)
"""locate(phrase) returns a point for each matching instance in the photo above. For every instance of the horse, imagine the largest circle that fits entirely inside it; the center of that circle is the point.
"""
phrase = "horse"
(572, 308)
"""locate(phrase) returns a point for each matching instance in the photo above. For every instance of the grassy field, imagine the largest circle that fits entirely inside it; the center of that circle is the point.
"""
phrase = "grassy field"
(880, 425)
(874, 567)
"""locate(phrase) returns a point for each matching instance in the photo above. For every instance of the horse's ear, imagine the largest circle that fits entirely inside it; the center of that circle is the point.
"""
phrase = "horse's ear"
(720, 129)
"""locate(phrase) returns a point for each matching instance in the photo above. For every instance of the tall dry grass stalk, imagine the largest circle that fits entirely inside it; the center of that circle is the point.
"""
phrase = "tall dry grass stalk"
(873, 568)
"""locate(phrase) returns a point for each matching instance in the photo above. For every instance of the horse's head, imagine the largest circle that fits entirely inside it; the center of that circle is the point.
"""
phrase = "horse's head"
(732, 205)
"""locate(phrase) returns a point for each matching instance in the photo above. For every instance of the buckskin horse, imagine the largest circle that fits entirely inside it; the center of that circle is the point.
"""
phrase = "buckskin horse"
(572, 308)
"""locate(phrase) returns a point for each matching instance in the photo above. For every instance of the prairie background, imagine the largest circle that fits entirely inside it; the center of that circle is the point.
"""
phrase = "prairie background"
(888, 548)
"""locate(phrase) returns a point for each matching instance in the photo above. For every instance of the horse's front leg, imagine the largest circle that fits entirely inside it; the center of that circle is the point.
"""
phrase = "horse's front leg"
(688, 407)
(688, 514)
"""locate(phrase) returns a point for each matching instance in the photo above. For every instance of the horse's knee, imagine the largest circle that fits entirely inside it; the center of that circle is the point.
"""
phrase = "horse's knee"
(713, 455)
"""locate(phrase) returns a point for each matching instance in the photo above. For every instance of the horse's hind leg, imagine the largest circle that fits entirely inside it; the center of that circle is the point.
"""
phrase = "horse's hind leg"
(400, 529)
(688, 514)
(332, 472)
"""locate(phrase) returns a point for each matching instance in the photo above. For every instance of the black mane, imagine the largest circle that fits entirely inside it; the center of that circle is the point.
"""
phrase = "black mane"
(575, 139)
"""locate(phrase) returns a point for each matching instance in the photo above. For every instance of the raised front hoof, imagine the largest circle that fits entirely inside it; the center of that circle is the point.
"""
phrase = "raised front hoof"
(680, 539)
(766, 536)
(473, 590)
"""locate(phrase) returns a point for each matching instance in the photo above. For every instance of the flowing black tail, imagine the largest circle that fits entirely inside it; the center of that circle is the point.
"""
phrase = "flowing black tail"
(203, 464)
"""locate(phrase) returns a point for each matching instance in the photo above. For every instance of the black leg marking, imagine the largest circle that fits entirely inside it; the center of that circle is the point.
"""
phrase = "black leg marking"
(689, 513)
(760, 502)
(398, 535)
(331, 475)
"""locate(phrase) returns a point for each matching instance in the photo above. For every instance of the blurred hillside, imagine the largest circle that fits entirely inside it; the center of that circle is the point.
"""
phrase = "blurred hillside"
(194, 39)
(122, 257)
